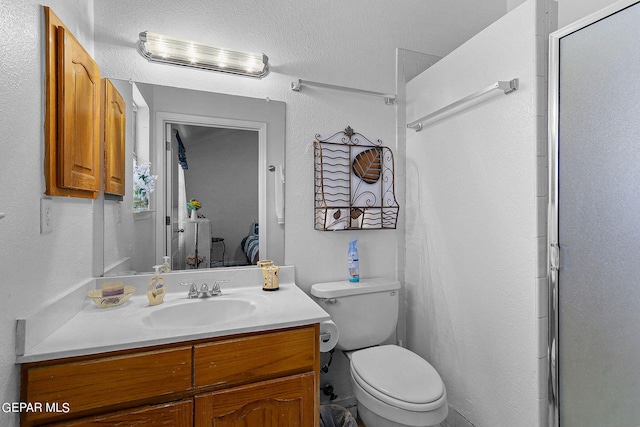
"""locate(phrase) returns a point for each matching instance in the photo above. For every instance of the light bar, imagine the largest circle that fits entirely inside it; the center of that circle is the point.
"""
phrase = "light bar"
(170, 50)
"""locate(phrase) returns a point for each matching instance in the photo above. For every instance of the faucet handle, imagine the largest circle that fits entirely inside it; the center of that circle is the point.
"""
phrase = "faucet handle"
(193, 289)
(216, 285)
(215, 289)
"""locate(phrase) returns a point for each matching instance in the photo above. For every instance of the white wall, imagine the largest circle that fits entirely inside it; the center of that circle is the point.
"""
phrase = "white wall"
(33, 267)
(512, 4)
(573, 10)
(473, 273)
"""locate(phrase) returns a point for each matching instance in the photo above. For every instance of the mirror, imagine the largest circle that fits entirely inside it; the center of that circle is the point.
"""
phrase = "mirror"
(234, 155)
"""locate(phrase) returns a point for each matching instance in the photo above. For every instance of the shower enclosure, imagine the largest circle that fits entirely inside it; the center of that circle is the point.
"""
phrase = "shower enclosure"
(594, 224)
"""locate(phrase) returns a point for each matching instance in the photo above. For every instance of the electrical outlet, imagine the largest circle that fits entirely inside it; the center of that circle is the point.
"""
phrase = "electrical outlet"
(46, 216)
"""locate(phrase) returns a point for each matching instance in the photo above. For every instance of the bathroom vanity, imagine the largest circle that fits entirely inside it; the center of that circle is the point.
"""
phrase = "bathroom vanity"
(141, 365)
(257, 377)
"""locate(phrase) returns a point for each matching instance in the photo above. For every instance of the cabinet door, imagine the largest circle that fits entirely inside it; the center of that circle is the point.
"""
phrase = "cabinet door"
(176, 414)
(114, 117)
(78, 115)
(284, 402)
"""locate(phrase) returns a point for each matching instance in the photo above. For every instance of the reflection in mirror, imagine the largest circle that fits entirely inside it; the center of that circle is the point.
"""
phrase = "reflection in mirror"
(230, 143)
(218, 167)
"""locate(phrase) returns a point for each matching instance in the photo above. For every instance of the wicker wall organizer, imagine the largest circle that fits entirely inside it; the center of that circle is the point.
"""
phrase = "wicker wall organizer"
(354, 183)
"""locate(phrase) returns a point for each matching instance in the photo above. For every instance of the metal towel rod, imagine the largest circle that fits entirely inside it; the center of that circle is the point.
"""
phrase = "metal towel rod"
(507, 87)
(297, 85)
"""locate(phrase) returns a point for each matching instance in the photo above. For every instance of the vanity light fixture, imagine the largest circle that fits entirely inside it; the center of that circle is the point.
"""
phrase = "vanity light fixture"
(170, 50)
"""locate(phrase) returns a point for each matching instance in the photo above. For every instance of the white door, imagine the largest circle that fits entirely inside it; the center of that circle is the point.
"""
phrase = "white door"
(174, 230)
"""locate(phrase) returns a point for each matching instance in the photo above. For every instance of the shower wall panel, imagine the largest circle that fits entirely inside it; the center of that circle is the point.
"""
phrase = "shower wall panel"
(473, 237)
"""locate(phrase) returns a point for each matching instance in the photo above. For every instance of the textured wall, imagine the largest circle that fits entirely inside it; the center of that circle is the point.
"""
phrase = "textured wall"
(33, 267)
(471, 225)
(573, 10)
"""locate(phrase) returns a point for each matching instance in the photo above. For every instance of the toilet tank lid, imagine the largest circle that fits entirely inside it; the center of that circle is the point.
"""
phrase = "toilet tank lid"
(345, 288)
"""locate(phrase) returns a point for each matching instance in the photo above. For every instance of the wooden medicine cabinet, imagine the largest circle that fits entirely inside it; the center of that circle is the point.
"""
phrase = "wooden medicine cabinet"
(79, 110)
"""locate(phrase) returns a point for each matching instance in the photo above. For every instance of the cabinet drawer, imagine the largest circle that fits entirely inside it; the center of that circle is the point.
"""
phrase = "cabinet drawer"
(253, 358)
(109, 382)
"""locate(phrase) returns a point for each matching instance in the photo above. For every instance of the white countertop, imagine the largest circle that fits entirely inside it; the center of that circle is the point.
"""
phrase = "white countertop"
(96, 330)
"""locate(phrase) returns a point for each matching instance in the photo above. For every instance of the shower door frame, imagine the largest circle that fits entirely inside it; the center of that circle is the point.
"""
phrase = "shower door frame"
(553, 246)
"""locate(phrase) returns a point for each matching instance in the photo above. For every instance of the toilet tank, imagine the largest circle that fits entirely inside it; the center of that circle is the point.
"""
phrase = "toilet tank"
(365, 312)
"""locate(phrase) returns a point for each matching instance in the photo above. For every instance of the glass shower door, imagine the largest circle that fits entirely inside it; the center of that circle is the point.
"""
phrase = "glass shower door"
(598, 221)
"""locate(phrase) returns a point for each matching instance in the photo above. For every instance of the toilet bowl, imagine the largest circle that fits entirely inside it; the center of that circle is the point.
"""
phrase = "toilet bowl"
(394, 387)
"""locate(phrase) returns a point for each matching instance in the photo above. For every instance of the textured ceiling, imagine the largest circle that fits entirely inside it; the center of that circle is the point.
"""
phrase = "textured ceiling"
(353, 41)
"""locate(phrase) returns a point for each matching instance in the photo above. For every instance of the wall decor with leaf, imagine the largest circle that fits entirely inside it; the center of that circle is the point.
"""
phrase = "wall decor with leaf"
(354, 183)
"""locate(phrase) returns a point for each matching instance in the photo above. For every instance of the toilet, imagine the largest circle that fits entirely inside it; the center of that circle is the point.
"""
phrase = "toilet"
(394, 387)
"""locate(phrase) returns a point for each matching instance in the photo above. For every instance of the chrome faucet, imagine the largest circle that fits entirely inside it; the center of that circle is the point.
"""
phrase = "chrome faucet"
(204, 291)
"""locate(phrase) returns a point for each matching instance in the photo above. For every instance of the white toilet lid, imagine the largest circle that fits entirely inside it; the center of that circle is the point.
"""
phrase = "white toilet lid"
(398, 373)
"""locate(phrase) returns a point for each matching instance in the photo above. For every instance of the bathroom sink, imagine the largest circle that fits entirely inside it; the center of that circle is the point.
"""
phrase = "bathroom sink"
(199, 312)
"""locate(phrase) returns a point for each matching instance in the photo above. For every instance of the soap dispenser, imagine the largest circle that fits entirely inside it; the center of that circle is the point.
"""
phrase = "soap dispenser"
(166, 267)
(156, 290)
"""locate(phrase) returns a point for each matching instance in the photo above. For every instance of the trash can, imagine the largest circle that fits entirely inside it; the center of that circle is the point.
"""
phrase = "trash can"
(336, 416)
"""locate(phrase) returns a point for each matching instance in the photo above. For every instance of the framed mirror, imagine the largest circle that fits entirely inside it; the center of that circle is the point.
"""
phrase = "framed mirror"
(224, 151)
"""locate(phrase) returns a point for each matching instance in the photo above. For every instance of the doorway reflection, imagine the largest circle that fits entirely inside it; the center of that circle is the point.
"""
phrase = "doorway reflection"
(218, 168)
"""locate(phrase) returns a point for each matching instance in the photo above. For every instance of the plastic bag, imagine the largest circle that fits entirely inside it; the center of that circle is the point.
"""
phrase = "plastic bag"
(336, 416)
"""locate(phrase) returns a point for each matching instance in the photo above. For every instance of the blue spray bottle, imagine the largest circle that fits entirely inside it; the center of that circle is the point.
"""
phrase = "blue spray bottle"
(354, 267)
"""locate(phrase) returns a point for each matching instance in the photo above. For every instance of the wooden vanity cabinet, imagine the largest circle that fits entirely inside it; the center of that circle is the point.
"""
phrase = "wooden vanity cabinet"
(252, 380)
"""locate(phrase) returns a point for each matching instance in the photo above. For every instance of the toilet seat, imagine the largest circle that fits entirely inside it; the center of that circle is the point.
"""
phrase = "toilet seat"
(398, 377)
